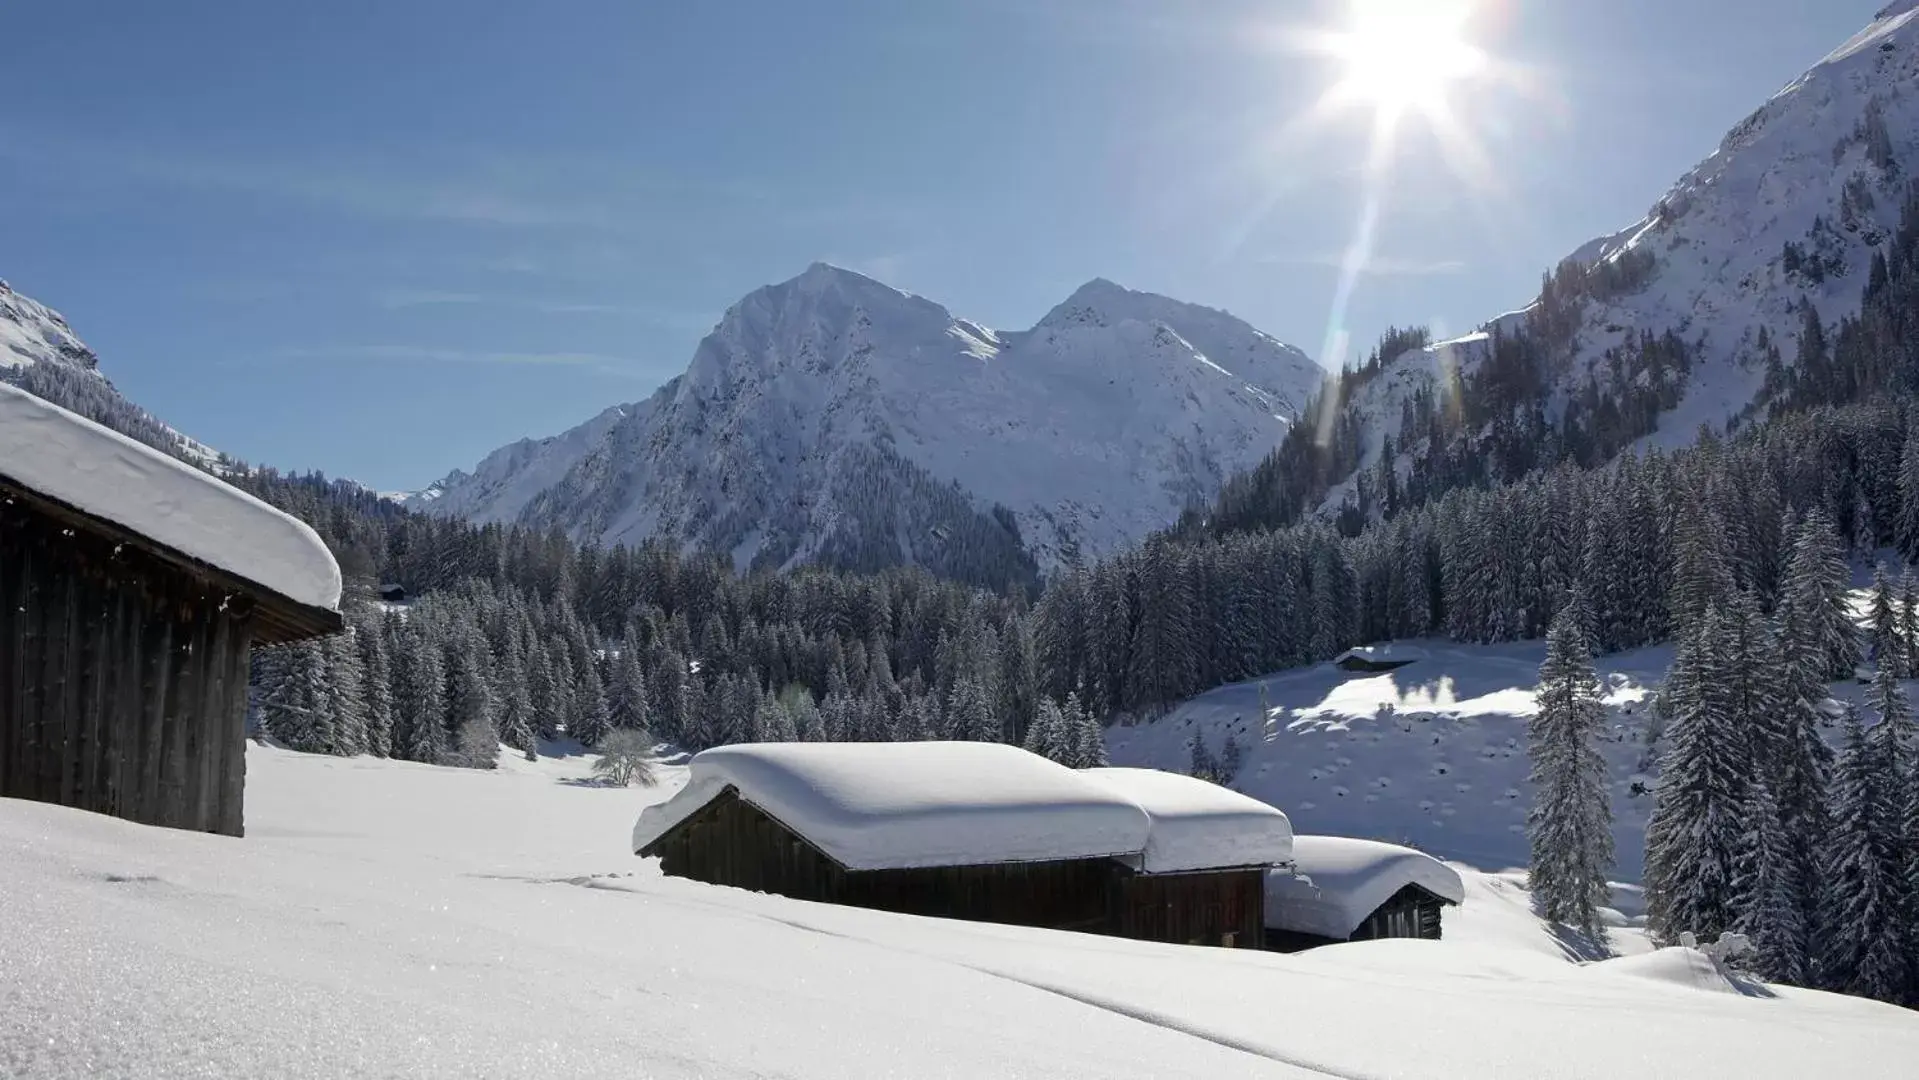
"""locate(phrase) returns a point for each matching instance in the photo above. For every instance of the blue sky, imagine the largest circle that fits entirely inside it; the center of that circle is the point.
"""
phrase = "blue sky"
(383, 237)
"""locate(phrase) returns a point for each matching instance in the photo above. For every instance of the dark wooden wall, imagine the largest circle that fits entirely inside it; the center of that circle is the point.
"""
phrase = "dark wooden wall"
(123, 681)
(1226, 907)
(732, 842)
(1412, 912)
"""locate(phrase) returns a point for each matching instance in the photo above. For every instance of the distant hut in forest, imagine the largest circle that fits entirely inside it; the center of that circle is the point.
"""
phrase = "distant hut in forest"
(1373, 660)
(131, 588)
(964, 830)
(1342, 889)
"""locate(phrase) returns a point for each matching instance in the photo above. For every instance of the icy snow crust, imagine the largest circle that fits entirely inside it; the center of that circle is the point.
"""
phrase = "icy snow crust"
(890, 806)
(108, 475)
(398, 920)
(1197, 825)
(1336, 882)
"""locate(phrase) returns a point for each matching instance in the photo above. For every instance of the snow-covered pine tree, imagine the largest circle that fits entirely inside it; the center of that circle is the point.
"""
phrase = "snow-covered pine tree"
(1570, 826)
(1883, 625)
(1906, 528)
(588, 721)
(969, 713)
(344, 699)
(1695, 832)
(1702, 570)
(1048, 735)
(1769, 908)
(517, 724)
(419, 732)
(293, 704)
(1815, 594)
(1088, 737)
(1863, 924)
(371, 636)
(1909, 622)
(1232, 757)
(626, 696)
(1200, 761)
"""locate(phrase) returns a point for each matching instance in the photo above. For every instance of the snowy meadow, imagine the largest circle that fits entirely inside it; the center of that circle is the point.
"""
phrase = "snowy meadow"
(393, 919)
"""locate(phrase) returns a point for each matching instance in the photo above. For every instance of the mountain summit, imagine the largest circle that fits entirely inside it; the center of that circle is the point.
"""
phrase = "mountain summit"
(834, 419)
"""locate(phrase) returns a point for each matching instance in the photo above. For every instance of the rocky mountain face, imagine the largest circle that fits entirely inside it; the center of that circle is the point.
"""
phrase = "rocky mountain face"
(832, 419)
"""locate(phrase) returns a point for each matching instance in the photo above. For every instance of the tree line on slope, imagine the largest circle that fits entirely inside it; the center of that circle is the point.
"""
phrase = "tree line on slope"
(1758, 827)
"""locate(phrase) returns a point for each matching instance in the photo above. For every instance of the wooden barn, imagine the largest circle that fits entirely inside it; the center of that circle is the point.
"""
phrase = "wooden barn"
(131, 588)
(975, 831)
(1341, 889)
(1201, 879)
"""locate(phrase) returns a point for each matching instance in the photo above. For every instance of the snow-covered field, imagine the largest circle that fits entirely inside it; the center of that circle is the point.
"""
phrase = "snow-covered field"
(387, 919)
(1432, 755)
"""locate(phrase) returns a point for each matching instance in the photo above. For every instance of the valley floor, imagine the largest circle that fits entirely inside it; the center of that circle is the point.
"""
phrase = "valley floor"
(388, 919)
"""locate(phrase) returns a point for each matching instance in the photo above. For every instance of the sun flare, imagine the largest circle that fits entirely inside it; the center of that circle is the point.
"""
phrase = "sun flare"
(1404, 54)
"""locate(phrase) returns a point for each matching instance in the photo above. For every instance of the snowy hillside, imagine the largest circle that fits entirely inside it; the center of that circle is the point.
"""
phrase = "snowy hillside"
(32, 333)
(387, 919)
(41, 354)
(1789, 209)
(832, 418)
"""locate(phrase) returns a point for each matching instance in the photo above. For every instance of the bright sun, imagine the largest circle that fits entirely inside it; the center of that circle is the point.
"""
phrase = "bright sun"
(1404, 54)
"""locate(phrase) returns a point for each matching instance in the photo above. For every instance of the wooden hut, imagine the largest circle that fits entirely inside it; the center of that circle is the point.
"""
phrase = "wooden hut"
(1201, 879)
(975, 831)
(131, 587)
(1341, 889)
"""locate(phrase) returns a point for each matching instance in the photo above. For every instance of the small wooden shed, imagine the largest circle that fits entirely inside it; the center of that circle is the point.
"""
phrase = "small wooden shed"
(131, 588)
(1343, 889)
(975, 831)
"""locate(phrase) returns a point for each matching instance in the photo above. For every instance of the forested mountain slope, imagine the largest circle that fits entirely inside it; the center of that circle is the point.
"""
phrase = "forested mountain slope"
(1725, 297)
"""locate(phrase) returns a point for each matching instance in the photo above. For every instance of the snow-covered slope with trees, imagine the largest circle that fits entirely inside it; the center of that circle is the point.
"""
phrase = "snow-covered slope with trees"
(392, 919)
(834, 419)
(42, 355)
(1696, 314)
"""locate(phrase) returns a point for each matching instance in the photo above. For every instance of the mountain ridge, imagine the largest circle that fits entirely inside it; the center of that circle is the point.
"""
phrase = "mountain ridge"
(1087, 432)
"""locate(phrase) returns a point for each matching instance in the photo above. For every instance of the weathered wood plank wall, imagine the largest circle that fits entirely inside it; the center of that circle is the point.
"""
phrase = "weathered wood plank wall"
(731, 842)
(122, 679)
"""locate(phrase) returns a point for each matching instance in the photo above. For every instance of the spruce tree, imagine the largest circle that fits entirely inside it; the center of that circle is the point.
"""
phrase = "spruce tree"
(1864, 924)
(1888, 650)
(344, 698)
(1695, 832)
(370, 634)
(516, 702)
(1769, 907)
(1048, 736)
(626, 696)
(1816, 595)
(1088, 737)
(1909, 623)
(420, 707)
(1570, 825)
(294, 706)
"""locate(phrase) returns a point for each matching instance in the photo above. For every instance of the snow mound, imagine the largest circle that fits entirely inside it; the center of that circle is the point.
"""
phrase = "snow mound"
(889, 806)
(1337, 882)
(1197, 825)
(49, 450)
(1688, 969)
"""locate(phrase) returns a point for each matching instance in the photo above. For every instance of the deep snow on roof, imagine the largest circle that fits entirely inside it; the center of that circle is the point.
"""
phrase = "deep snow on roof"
(884, 806)
(1338, 881)
(1198, 825)
(103, 473)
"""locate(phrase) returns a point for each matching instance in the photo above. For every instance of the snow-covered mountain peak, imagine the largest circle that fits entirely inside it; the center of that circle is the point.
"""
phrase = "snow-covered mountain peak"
(834, 418)
(32, 333)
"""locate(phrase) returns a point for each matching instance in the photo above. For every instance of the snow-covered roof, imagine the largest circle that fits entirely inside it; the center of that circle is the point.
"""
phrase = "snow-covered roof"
(1198, 825)
(105, 474)
(1338, 881)
(887, 806)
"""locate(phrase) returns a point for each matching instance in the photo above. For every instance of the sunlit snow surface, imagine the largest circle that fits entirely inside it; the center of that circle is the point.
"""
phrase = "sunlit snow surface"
(398, 920)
